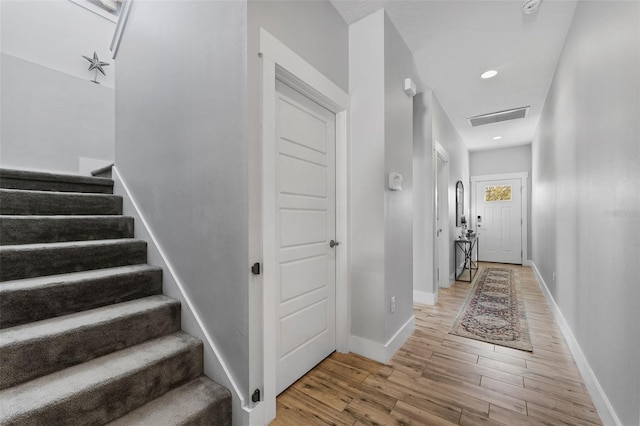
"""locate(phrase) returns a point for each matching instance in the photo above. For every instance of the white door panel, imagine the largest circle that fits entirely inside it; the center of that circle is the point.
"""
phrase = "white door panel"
(293, 336)
(498, 219)
(305, 330)
(302, 227)
(302, 276)
(301, 126)
(301, 177)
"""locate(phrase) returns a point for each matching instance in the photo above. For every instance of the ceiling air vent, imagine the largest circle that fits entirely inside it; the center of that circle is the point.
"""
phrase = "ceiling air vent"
(496, 117)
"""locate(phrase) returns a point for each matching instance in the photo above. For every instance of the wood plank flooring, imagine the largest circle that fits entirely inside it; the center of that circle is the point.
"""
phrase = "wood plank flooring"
(440, 379)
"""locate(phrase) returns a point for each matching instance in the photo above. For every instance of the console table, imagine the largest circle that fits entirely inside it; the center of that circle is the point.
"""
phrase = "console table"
(467, 245)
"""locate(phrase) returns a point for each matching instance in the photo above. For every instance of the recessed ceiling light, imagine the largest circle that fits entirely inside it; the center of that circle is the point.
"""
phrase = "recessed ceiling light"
(489, 74)
(496, 138)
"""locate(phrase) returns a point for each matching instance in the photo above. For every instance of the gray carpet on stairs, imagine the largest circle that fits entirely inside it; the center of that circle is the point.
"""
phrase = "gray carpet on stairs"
(86, 337)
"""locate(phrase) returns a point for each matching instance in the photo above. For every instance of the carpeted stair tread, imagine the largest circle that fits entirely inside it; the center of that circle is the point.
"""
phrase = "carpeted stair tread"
(42, 181)
(197, 403)
(86, 336)
(26, 202)
(103, 389)
(39, 348)
(49, 229)
(35, 299)
(34, 260)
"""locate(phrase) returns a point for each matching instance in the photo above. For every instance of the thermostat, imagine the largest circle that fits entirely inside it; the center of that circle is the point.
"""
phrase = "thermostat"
(395, 181)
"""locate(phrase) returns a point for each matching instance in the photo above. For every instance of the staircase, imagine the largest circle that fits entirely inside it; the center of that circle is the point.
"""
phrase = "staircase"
(86, 336)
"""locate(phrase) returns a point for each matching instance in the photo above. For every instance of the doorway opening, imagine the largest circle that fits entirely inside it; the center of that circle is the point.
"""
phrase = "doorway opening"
(441, 215)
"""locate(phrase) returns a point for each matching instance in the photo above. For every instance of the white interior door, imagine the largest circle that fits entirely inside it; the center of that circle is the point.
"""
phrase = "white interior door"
(442, 220)
(498, 218)
(306, 328)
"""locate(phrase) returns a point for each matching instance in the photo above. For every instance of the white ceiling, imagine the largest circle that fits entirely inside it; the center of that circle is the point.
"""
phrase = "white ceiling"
(455, 41)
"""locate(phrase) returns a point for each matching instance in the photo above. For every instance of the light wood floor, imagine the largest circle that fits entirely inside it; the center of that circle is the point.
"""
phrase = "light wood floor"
(439, 379)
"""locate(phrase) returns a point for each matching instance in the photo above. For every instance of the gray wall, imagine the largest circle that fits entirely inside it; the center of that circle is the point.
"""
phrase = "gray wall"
(312, 29)
(367, 178)
(586, 194)
(181, 147)
(505, 160)
(52, 115)
(381, 142)
(51, 118)
(398, 150)
(423, 194)
(451, 141)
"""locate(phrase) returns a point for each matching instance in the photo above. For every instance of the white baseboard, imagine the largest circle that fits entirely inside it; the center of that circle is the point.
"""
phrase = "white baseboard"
(425, 298)
(379, 352)
(172, 286)
(527, 262)
(605, 409)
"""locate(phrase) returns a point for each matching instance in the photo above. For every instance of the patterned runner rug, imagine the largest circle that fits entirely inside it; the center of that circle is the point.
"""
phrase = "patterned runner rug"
(494, 311)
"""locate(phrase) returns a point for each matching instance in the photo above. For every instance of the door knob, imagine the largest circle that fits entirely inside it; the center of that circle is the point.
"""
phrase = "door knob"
(332, 243)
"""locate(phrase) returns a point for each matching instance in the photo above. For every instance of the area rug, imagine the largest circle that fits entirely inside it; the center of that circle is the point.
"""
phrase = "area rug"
(494, 311)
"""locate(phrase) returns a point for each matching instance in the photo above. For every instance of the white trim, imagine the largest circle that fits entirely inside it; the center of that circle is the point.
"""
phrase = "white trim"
(383, 353)
(278, 61)
(269, 257)
(94, 8)
(171, 279)
(500, 176)
(524, 185)
(303, 74)
(120, 26)
(424, 297)
(603, 406)
(441, 151)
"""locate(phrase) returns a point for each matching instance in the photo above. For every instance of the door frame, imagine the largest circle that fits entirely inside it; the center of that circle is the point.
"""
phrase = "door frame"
(280, 62)
(440, 256)
(524, 184)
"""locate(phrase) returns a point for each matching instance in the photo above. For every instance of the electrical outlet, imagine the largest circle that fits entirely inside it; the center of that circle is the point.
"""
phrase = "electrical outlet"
(393, 304)
(554, 278)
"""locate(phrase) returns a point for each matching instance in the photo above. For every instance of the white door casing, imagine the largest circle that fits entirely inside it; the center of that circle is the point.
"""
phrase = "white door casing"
(305, 194)
(441, 249)
(278, 61)
(499, 223)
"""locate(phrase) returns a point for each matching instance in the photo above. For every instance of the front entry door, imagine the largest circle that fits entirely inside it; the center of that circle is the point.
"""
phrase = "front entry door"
(306, 222)
(498, 210)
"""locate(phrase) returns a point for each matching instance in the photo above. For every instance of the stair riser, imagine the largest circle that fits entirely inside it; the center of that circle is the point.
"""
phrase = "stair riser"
(200, 402)
(27, 263)
(27, 230)
(23, 361)
(41, 185)
(99, 405)
(56, 203)
(220, 411)
(27, 305)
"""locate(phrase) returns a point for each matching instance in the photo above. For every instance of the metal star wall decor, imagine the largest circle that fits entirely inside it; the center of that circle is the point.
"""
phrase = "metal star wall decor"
(96, 64)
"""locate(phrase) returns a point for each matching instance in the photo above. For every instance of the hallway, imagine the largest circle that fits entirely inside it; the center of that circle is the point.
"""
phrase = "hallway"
(437, 378)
